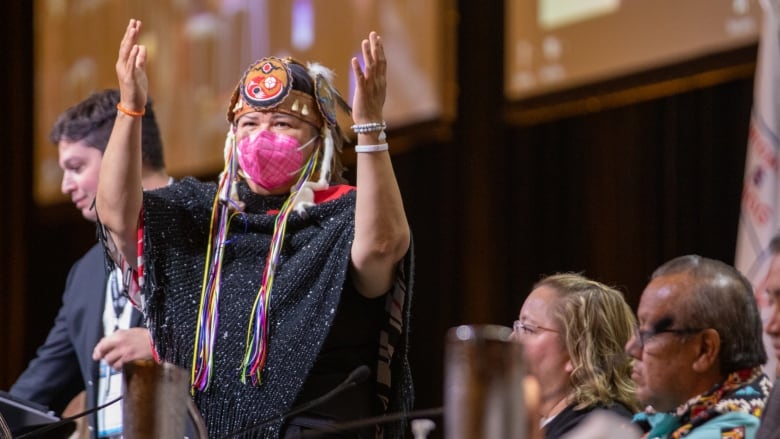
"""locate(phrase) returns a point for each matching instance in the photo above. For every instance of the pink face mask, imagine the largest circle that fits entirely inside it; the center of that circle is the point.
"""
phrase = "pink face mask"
(269, 159)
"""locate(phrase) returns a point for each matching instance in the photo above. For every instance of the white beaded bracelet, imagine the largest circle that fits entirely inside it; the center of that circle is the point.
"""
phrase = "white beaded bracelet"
(369, 127)
(371, 148)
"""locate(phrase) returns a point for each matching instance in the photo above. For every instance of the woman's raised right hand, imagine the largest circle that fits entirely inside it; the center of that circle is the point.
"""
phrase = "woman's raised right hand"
(130, 64)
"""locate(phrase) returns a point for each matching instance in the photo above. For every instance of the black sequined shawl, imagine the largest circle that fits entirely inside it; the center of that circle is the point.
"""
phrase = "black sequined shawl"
(309, 279)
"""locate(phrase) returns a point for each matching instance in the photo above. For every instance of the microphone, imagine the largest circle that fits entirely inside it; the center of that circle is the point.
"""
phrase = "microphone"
(63, 421)
(357, 376)
(382, 419)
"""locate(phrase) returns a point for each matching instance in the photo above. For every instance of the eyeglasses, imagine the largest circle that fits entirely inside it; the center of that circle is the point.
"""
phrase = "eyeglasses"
(528, 328)
(642, 337)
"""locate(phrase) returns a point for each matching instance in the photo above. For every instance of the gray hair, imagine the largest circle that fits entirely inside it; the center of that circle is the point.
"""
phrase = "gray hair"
(721, 299)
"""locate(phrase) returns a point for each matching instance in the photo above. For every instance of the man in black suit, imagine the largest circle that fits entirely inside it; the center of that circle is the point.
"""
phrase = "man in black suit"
(770, 420)
(96, 331)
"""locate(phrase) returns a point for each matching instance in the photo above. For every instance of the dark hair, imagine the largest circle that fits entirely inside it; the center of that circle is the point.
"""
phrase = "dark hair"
(721, 299)
(92, 120)
(301, 79)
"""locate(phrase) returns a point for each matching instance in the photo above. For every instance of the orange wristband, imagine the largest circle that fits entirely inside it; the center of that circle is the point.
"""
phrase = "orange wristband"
(129, 112)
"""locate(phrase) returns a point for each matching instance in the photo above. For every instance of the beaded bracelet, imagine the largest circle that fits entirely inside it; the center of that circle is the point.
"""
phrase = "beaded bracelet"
(371, 148)
(130, 112)
(369, 127)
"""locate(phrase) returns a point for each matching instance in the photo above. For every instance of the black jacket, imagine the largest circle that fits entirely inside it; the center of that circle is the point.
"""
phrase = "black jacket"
(63, 365)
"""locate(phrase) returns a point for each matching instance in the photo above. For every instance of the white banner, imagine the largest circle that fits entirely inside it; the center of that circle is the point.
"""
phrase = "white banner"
(759, 221)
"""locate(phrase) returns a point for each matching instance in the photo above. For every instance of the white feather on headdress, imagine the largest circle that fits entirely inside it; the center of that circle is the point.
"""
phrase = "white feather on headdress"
(327, 155)
(316, 68)
(305, 197)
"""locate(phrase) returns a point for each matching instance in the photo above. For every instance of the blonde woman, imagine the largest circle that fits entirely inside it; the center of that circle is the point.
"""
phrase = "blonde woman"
(573, 330)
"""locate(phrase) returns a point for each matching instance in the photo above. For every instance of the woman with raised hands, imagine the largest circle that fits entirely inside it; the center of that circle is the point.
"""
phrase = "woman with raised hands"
(274, 283)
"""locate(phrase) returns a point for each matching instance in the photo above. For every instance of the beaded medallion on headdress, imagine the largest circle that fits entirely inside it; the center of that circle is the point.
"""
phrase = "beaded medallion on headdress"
(266, 83)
